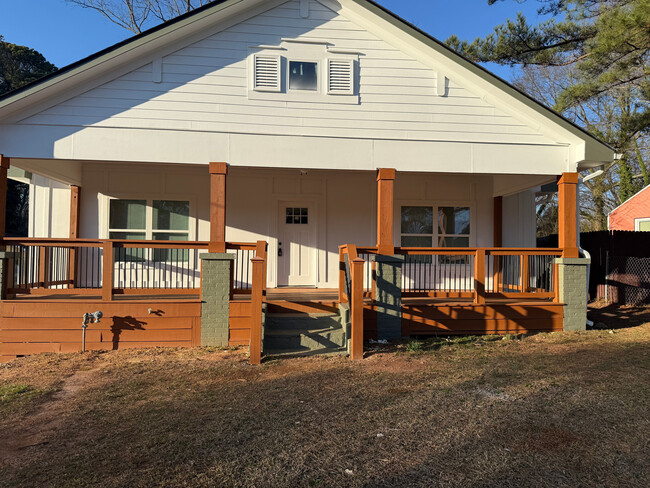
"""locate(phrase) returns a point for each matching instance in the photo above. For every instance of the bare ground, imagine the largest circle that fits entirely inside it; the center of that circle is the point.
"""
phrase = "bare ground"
(562, 409)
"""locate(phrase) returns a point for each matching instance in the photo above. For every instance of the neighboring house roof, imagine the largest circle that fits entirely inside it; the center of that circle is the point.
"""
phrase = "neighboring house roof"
(52, 86)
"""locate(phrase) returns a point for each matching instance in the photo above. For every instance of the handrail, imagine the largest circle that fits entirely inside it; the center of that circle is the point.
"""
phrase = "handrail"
(257, 299)
(351, 274)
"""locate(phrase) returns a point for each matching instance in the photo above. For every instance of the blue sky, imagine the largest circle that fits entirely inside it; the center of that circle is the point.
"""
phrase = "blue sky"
(65, 33)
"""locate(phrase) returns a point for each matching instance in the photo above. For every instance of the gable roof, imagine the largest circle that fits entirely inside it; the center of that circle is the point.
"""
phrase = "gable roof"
(629, 199)
(602, 150)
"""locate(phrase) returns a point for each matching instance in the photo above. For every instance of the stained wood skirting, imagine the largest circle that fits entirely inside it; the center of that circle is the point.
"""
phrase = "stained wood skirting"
(35, 326)
(496, 318)
(240, 323)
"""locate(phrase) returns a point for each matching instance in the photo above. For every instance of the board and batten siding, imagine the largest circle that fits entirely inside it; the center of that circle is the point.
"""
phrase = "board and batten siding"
(204, 88)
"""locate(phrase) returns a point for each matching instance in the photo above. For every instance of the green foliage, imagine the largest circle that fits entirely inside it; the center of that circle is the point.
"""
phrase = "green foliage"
(594, 60)
(414, 346)
(20, 65)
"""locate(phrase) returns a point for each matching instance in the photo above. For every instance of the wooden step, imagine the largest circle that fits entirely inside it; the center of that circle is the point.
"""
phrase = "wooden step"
(303, 306)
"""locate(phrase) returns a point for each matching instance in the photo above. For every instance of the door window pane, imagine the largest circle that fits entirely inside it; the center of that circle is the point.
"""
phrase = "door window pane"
(297, 216)
(127, 214)
(303, 75)
(453, 220)
(171, 215)
(417, 220)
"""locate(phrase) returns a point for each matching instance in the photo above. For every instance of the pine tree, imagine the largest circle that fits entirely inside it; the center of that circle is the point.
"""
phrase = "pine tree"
(606, 45)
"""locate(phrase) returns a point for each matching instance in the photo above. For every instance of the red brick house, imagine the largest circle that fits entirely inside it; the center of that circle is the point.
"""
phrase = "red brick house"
(634, 214)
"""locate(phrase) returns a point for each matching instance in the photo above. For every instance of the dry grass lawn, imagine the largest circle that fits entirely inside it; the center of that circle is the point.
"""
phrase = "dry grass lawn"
(563, 409)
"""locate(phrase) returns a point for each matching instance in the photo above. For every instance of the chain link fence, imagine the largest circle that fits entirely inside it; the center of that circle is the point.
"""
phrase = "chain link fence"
(628, 280)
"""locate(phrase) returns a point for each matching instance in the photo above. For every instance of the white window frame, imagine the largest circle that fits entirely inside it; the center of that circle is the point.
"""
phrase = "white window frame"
(638, 221)
(435, 237)
(319, 76)
(149, 231)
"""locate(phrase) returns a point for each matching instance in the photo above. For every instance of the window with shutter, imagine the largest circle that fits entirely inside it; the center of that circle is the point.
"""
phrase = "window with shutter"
(266, 73)
(340, 77)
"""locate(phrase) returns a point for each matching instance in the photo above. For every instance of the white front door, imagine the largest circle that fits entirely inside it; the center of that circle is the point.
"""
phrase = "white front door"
(297, 253)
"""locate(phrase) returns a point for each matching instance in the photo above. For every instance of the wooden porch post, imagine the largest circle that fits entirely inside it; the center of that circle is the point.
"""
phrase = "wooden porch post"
(498, 222)
(75, 205)
(568, 214)
(218, 172)
(385, 184)
(4, 166)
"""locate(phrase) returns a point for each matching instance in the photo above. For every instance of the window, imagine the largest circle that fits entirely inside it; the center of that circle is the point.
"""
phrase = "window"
(429, 226)
(297, 216)
(159, 220)
(303, 75)
(642, 225)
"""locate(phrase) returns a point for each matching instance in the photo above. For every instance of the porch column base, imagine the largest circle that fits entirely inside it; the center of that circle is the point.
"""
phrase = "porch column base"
(572, 291)
(215, 298)
(388, 296)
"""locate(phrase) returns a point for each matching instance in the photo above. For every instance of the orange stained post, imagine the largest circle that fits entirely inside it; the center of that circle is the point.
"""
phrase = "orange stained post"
(356, 309)
(75, 202)
(479, 277)
(498, 221)
(568, 214)
(4, 166)
(218, 172)
(107, 271)
(342, 296)
(385, 191)
(257, 298)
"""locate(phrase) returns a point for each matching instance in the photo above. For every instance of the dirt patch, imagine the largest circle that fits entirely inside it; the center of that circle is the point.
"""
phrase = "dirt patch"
(38, 427)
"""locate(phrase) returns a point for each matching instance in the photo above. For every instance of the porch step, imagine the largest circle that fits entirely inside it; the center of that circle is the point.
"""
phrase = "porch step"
(303, 306)
(303, 334)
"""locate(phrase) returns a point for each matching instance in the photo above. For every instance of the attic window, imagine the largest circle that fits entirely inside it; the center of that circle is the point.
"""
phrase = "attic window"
(266, 73)
(340, 79)
(303, 75)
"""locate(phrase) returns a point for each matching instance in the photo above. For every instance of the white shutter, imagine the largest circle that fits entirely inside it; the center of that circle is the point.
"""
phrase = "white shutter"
(340, 77)
(266, 73)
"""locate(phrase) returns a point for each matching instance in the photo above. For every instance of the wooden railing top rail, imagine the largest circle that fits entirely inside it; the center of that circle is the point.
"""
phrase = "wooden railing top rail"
(495, 251)
(66, 242)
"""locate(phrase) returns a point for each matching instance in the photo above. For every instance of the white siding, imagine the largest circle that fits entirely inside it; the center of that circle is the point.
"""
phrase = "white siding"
(519, 220)
(205, 88)
(49, 208)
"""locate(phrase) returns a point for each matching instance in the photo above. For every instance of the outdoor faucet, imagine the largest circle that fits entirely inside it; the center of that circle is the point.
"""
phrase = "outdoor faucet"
(88, 318)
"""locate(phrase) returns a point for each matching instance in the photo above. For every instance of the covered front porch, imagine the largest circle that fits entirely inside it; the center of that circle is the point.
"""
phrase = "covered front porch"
(281, 235)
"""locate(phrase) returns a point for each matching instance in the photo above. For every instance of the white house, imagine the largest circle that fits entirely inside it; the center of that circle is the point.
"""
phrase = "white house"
(304, 100)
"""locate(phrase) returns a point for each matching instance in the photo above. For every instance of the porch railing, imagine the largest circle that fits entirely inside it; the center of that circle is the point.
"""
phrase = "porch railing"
(116, 267)
(469, 273)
